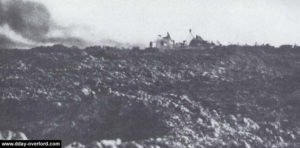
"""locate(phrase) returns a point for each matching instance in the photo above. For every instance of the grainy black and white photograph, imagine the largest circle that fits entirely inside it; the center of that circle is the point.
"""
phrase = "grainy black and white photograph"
(150, 73)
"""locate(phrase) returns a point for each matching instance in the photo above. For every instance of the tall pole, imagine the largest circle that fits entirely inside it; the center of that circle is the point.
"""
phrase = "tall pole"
(191, 33)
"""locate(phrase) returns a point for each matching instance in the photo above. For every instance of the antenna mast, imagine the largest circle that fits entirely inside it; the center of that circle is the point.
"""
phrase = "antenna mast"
(191, 33)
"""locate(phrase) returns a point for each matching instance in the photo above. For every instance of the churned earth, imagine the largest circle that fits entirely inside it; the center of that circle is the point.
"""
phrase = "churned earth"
(226, 97)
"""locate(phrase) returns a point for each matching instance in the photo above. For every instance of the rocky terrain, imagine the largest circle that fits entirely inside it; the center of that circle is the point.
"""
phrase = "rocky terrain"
(226, 97)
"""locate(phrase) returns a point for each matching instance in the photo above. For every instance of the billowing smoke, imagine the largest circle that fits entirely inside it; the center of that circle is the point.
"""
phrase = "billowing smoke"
(5, 42)
(1, 13)
(32, 21)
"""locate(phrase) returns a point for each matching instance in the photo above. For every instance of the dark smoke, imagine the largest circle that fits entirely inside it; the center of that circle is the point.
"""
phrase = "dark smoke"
(1, 13)
(5, 42)
(32, 21)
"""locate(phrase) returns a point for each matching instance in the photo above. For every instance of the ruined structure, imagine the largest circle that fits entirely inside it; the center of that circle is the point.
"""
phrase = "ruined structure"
(165, 42)
(191, 42)
(200, 43)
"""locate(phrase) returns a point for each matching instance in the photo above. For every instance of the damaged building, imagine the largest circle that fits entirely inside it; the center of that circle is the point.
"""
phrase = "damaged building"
(191, 42)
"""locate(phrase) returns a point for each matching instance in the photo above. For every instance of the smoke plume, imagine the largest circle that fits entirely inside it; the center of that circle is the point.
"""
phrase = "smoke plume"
(33, 22)
(5, 42)
(1, 13)
(30, 19)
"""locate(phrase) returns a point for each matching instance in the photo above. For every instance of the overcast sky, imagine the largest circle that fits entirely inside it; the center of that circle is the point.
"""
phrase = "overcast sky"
(139, 21)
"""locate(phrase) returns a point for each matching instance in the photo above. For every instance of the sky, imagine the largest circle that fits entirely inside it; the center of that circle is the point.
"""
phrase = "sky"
(139, 21)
